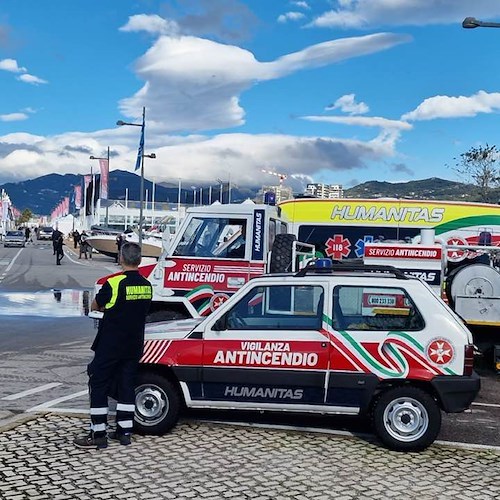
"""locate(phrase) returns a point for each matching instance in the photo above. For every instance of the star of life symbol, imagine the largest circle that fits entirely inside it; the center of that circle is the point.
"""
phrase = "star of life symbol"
(360, 245)
(440, 351)
(338, 247)
(217, 300)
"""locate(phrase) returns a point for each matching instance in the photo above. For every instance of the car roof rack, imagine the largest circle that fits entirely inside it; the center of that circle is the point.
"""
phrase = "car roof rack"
(329, 266)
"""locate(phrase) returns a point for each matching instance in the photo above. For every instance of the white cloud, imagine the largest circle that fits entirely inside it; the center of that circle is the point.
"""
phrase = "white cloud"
(11, 65)
(454, 107)
(301, 4)
(371, 13)
(32, 79)
(290, 16)
(153, 24)
(13, 117)
(199, 158)
(347, 104)
(363, 121)
(194, 84)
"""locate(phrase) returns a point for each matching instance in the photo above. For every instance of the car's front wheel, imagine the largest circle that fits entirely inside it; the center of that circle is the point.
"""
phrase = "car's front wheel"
(157, 404)
(406, 419)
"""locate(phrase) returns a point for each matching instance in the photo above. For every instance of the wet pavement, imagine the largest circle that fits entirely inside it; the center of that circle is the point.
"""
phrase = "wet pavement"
(48, 304)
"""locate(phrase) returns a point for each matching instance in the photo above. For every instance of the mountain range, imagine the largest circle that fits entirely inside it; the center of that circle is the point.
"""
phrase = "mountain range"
(42, 194)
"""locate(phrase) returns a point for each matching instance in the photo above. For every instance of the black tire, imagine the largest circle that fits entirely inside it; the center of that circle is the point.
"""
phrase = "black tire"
(406, 419)
(157, 404)
(281, 255)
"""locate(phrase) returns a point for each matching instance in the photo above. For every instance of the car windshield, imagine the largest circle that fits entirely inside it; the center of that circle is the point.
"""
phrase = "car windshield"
(210, 237)
(49, 229)
(15, 233)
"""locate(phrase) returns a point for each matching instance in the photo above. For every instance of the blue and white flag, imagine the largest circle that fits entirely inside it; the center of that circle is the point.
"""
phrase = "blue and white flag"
(140, 152)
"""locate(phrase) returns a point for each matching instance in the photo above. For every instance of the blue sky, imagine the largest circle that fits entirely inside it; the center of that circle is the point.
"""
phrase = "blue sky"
(338, 91)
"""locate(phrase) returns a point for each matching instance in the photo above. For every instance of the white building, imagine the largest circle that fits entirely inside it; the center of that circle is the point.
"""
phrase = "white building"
(328, 191)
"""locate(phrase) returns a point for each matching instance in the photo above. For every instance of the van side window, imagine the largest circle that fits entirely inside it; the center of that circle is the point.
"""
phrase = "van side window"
(378, 309)
(278, 308)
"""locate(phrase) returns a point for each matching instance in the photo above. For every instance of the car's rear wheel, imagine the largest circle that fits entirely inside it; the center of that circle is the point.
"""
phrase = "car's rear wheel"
(406, 419)
(157, 404)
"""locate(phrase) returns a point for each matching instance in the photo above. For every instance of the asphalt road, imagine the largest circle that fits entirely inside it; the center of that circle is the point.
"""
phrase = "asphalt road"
(45, 338)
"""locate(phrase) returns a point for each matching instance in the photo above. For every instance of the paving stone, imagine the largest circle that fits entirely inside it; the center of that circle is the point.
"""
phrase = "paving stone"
(208, 461)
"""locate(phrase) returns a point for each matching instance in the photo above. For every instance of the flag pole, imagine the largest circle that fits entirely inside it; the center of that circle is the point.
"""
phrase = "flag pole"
(142, 178)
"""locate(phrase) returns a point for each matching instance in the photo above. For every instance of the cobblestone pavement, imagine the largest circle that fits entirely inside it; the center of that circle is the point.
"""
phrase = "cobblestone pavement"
(200, 460)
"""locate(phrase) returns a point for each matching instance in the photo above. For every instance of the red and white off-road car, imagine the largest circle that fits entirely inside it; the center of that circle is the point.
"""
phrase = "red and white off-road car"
(341, 339)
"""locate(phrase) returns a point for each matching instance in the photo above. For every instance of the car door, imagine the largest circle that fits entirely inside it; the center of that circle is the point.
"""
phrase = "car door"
(267, 350)
(374, 331)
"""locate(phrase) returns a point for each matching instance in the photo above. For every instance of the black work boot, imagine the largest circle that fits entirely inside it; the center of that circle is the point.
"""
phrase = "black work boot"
(92, 442)
(124, 439)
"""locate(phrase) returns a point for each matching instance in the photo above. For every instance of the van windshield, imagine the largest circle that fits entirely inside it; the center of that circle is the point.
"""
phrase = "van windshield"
(213, 237)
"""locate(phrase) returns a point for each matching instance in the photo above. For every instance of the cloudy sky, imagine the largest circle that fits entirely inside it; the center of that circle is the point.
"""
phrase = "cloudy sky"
(337, 91)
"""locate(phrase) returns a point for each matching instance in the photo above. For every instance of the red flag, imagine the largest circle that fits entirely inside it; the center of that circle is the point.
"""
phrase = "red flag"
(104, 164)
(78, 196)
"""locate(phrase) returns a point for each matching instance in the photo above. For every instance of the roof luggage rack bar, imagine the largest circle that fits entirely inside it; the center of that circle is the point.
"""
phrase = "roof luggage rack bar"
(339, 266)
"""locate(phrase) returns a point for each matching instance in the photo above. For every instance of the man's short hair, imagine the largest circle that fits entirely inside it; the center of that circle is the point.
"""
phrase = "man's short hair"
(130, 254)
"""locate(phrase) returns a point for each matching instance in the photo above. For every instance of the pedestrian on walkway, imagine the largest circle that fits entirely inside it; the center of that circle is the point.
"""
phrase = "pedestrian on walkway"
(27, 233)
(85, 248)
(59, 243)
(124, 299)
(119, 243)
(76, 238)
(55, 236)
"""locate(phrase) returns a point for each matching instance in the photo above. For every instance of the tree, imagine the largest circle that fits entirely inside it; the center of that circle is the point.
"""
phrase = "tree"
(480, 166)
(25, 216)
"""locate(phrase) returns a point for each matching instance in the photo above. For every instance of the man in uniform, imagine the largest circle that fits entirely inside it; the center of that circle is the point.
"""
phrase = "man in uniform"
(124, 299)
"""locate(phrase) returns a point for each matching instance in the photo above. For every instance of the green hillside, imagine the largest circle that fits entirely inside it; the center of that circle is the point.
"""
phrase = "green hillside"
(429, 189)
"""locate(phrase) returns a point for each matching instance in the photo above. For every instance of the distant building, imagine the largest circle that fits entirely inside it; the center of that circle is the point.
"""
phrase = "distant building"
(328, 191)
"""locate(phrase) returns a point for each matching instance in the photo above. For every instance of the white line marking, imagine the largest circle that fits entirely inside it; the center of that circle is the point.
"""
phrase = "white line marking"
(490, 405)
(454, 444)
(9, 267)
(41, 388)
(84, 411)
(73, 260)
(48, 404)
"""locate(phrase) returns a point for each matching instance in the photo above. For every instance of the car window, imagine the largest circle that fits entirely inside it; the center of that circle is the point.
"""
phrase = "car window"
(279, 307)
(374, 308)
(15, 233)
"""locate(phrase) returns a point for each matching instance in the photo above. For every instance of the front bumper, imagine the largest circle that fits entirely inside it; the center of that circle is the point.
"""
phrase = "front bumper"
(456, 393)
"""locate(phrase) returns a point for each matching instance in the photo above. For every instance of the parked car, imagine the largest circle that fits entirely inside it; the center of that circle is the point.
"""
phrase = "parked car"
(14, 239)
(332, 339)
(45, 233)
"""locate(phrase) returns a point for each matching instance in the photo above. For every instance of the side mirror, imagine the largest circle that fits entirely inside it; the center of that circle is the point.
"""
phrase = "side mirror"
(221, 324)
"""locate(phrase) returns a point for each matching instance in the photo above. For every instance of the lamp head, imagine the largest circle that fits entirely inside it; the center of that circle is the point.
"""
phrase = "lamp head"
(91, 157)
(120, 123)
(470, 22)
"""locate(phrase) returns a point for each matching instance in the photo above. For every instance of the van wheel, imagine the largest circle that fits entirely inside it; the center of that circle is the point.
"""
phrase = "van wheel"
(406, 419)
(157, 404)
(281, 255)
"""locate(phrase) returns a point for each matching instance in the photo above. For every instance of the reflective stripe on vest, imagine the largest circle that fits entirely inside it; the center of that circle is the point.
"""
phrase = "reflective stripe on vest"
(114, 282)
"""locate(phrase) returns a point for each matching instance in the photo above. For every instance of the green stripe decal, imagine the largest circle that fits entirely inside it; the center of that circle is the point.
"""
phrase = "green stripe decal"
(475, 220)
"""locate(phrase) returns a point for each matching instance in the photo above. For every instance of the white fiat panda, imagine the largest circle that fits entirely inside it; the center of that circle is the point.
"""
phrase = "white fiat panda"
(330, 339)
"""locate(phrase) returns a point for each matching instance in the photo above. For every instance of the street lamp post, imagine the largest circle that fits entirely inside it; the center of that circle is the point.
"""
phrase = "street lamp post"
(472, 22)
(142, 156)
(91, 157)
